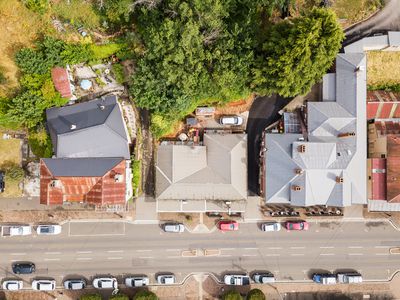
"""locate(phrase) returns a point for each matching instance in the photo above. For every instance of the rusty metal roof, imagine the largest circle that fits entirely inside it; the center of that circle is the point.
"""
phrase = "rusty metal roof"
(61, 81)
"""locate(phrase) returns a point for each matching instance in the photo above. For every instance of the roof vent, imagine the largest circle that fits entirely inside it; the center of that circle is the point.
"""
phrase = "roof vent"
(118, 177)
(346, 134)
(339, 179)
(299, 171)
(55, 183)
(360, 68)
(102, 107)
(301, 148)
(73, 126)
(296, 188)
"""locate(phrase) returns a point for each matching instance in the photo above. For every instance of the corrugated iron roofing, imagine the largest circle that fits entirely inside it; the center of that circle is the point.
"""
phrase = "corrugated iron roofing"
(378, 177)
(61, 81)
(393, 168)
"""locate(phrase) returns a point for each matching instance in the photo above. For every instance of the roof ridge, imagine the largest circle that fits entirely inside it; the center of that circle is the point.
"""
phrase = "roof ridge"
(122, 117)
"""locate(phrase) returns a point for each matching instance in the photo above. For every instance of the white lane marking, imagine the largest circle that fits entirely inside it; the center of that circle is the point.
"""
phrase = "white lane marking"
(51, 259)
(297, 247)
(381, 253)
(114, 257)
(297, 254)
(144, 250)
(227, 249)
(251, 248)
(115, 251)
(248, 255)
(326, 247)
(83, 252)
(356, 253)
(327, 254)
(146, 257)
(273, 254)
(382, 247)
(84, 258)
(355, 247)
(17, 253)
(52, 253)
(275, 248)
(225, 255)
(174, 256)
(173, 250)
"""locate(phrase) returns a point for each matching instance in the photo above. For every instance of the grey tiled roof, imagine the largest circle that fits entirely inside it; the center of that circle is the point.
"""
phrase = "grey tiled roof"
(89, 129)
(80, 167)
(215, 171)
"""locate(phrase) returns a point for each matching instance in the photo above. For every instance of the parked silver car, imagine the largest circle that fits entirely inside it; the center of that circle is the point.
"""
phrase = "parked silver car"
(75, 284)
(165, 279)
(44, 285)
(236, 279)
(48, 229)
(136, 281)
(231, 120)
(271, 226)
(12, 285)
(174, 227)
(263, 278)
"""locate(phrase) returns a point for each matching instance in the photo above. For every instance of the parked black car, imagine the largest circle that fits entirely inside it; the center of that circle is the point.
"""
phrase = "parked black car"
(2, 184)
(23, 267)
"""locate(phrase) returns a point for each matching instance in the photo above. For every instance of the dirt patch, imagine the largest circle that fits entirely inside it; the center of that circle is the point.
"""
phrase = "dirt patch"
(236, 107)
(57, 216)
(191, 220)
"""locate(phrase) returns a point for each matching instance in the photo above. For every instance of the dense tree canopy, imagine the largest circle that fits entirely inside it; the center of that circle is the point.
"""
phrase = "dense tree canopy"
(196, 50)
(255, 294)
(145, 295)
(232, 295)
(297, 53)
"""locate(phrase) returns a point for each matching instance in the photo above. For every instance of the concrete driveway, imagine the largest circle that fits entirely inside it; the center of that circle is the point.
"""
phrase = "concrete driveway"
(263, 112)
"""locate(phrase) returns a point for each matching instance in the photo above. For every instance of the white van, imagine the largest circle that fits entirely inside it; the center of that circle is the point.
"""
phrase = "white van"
(349, 278)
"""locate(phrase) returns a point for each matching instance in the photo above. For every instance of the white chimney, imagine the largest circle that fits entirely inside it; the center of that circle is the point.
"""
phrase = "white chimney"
(73, 126)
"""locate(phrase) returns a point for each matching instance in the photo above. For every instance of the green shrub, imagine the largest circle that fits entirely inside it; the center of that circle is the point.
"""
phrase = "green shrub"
(389, 87)
(145, 295)
(119, 296)
(255, 294)
(232, 295)
(12, 171)
(101, 52)
(40, 143)
(118, 71)
(91, 297)
(76, 53)
(39, 6)
(161, 125)
(136, 176)
(31, 61)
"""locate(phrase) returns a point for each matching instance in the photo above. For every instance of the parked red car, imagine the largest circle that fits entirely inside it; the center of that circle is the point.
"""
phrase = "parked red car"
(228, 225)
(296, 225)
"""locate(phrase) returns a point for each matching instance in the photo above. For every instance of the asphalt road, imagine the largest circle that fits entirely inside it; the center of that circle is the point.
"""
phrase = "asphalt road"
(263, 113)
(92, 249)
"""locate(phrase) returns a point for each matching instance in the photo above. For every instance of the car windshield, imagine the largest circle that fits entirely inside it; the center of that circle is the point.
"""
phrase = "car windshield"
(45, 229)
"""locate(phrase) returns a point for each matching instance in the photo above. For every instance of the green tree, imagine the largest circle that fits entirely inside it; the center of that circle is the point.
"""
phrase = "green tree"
(145, 295)
(31, 61)
(40, 142)
(196, 51)
(76, 53)
(297, 53)
(117, 11)
(232, 295)
(39, 6)
(119, 296)
(255, 294)
(91, 297)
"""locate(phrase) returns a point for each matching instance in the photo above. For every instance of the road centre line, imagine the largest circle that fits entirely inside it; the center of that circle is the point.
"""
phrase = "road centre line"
(174, 256)
(115, 251)
(248, 255)
(84, 258)
(251, 248)
(84, 252)
(144, 250)
(276, 248)
(356, 254)
(382, 247)
(355, 247)
(327, 254)
(273, 254)
(326, 247)
(52, 253)
(297, 247)
(227, 249)
(225, 255)
(173, 250)
(18, 253)
(51, 259)
(114, 257)
(297, 254)
(146, 257)
(381, 253)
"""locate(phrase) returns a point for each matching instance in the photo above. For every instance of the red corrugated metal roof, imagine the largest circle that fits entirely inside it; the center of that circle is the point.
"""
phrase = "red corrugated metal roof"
(61, 81)
(386, 108)
(372, 108)
(378, 178)
(95, 190)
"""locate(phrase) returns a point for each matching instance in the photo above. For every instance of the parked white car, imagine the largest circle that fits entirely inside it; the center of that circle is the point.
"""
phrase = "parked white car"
(236, 279)
(75, 284)
(174, 227)
(44, 285)
(15, 230)
(48, 229)
(105, 283)
(231, 120)
(136, 281)
(12, 285)
(166, 279)
(271, 226)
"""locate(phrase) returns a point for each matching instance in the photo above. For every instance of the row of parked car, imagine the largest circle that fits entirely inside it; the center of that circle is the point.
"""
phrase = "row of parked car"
(23, 230)
(329, 278)
(232, 225)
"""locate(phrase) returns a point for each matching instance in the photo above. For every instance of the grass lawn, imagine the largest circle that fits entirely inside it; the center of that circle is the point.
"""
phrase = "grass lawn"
(19, 27)
(10, 151)
(355, 10)
(383, 68)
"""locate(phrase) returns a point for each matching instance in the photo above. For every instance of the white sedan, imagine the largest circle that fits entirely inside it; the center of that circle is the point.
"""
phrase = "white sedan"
(12, 285)
(136, 281)
(44, 285)
(48, 229)
(105, 283)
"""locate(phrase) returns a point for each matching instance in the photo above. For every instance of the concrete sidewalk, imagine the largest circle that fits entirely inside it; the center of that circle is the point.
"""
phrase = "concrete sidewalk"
(146, 210)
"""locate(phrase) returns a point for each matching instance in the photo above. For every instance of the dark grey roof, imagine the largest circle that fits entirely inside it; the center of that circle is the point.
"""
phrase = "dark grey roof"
(89, 129)
(80, 167)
